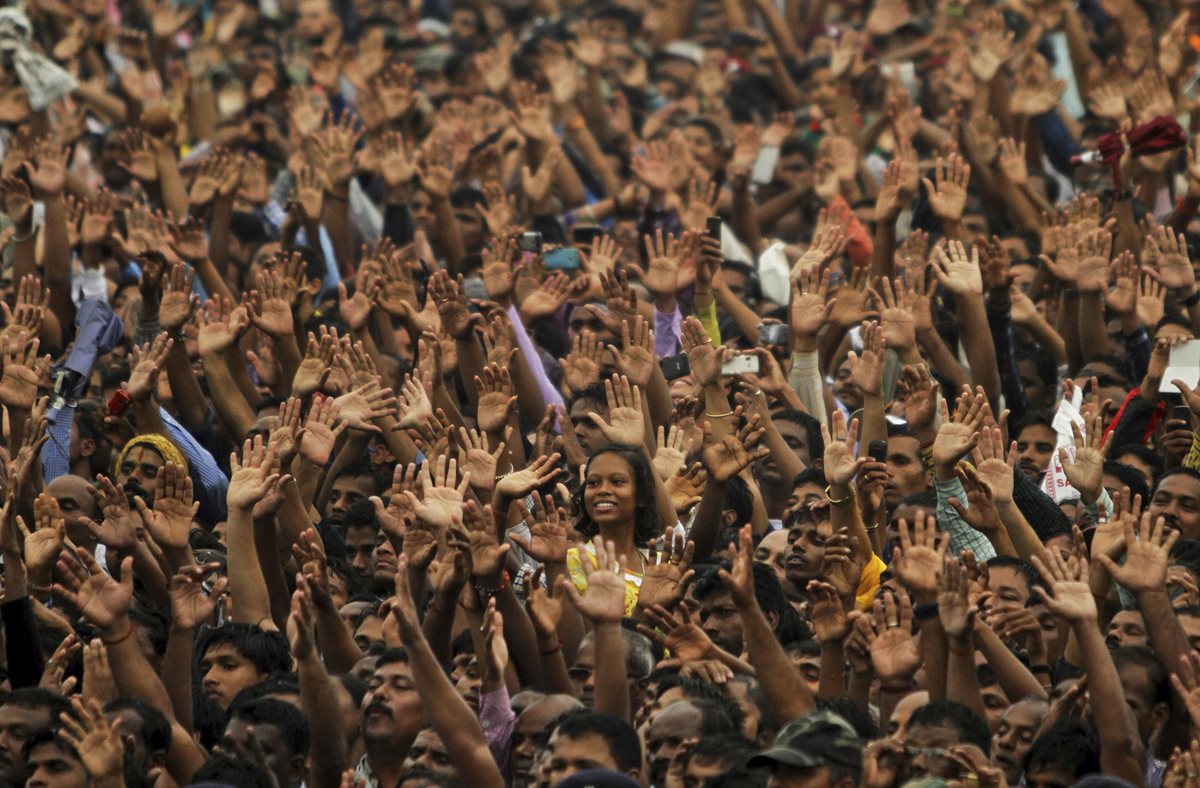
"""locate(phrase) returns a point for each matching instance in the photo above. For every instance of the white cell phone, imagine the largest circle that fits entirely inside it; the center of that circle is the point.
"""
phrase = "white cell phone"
(741, 364)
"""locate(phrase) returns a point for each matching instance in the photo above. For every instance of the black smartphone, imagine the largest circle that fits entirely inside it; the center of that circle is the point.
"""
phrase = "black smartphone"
(675, 367)
(1182, 412)
(583, 236)
(877, 451)
(713, 225)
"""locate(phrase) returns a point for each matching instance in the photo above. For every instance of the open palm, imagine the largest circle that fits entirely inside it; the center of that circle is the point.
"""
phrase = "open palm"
(894, 655)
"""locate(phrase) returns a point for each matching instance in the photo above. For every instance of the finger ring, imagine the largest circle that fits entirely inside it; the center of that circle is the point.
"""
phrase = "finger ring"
(893, 626)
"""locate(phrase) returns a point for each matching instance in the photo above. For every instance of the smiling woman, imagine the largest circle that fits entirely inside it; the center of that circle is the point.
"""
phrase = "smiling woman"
(617, 502)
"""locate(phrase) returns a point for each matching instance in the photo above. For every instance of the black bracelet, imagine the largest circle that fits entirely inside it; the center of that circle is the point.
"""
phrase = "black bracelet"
(1191, 300)
(1039, 668)
(925, 611)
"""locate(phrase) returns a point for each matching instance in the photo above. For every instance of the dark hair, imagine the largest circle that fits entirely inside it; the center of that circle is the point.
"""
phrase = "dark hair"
(390, 656)
(156, 729)
(275, 684)
(856, 714)
(593, 392)
(623, 743)
(1043, 418)
(972, 729)
(427, 776)
(740, 777)
(1069, 745)
(291, 722)
(1143, 453)
(1132, 656)
(811, 475)
(740, 500)
(767, 589)
(711, 129)
(367, 470)
(154, 624)
(1180, 471)
(732, 749)
(812, 426)
(361, 514)
(1129, 477)
(1186, 553)
(353, 685)
(47, 736)
(226, 770)
(1022, 568)
(267, 651)
(1044, 363)
(645, 520)
(39, 699)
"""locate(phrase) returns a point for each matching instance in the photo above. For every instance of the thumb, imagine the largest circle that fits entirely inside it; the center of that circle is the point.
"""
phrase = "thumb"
(958, 507)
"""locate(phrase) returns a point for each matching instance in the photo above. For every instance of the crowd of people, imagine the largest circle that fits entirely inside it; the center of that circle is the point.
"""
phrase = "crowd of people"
(663, 393)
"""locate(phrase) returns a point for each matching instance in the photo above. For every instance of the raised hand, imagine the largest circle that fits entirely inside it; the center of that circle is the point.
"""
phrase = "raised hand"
(535, 474)
(826, 613)
(626, 421)
(545, 301)
(544, 607)
(1086, 471)
(841, 466)
(451, 303)
(170, 521)
(672, 451)
(441, 501)
(894, 652)
(676, 632)
(97, 741)
(487, 553)
(949, 197)
(581, 367)
(550, 534)
(704, 359)
(364, 404)
(668, 574)
(810, 307)
(191, 605)
(320, 433)
(957, 614)
(866, 370)
(147, 361)
(252, 477)
(959, 435)
(1170, 267)
(604, 600)
(896, 318)
(178, 301)
(23, 371)
(636, 359)
(956, 270)
(45, 541)
(665, 274)
(220, 326)
(736, 450)
(496, 399)
(918, 559)
(99, 598)
(1067, 593)
(993, 467)
(1146, 553)
(118, 528)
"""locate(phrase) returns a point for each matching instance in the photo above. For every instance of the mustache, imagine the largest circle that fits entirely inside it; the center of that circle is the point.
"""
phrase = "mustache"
(378, 706)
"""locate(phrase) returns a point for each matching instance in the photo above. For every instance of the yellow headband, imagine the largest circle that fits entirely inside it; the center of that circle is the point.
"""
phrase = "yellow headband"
(158, 443)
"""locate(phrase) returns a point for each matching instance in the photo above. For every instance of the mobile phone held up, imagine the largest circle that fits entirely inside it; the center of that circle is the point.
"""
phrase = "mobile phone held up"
(741, 364)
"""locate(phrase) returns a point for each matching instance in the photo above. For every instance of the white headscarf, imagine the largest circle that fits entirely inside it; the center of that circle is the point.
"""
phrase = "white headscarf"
(45, 81)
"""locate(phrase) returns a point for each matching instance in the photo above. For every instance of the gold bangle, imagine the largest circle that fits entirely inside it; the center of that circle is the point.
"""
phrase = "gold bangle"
(832, 500)
(718, 415)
